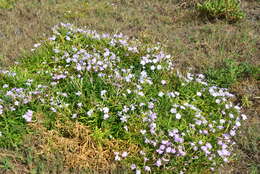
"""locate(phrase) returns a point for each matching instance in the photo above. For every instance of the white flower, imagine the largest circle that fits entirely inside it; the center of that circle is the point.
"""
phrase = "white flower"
(232, 132)
(244, 117)
(161, 94)
(90, 112)
(238, 124)
(117, 158)
(173, 111)
(53, 109)
(16, 103)
(28, 116)
(142, 131)
(52, 38)
(78, 93)
(126, 128)
(147, 168)
(159, 67)
(138, 172)
(106, 116)
(150, 105)
(37, 45)
(218, 101)
(79, 67)
(231, 116)
(163, 82)
(199, 94)
(178, 116)
(105, 110)
(74, 116)
(67, 38)
(158, 163)
(5, 86)
(103, 92)
(141, 93)
(171, 94)
(222, 121)
(209, 145)
(124, 154)
(133, 166)
(155, 61)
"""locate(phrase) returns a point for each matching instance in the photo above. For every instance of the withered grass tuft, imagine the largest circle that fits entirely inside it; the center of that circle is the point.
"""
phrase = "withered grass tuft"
(78, 149)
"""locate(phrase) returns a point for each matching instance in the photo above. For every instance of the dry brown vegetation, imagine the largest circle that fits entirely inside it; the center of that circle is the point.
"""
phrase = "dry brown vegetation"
(69, 148)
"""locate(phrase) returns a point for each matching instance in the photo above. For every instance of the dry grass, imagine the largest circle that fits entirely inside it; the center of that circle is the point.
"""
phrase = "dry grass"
(78, 149)
(69, 148)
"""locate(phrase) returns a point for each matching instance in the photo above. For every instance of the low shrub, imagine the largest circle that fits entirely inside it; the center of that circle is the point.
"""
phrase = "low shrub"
(221, 9)
(7, 4)
(124, 91)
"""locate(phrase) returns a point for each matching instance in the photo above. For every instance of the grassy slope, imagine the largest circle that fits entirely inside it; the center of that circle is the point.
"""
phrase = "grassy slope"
(194, 43)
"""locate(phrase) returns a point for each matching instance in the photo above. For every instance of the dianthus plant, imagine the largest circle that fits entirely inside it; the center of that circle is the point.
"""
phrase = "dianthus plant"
(132, 92)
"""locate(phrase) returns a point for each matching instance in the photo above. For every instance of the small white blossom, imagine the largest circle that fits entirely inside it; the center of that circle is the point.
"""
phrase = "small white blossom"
(141, 93)
(28, 116)
(103, 92)
(244, 117)
(106, 116)
(124, 154)
(147, 168)
(105, 110)
(78, 93)
(138, 172)
(90, 112)
(173, 110)
(161, 94)
(133, 166)
(199, 94)
(159, 67)
(178, 116)
(74, 116)
(163, 82)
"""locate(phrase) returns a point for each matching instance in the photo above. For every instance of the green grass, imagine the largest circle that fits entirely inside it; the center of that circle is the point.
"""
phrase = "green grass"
(229, 10)
(7, 4)
(230, 72)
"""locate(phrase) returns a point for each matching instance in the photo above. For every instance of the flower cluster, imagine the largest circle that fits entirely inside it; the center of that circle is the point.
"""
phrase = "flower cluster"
(132, 92)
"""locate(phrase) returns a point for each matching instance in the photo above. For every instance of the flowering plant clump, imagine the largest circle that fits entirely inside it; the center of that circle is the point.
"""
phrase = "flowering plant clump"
(130, 92)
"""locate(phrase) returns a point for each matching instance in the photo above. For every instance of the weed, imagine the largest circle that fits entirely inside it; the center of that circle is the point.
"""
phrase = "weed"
(7, 4)
(230, 71)
(221, 9)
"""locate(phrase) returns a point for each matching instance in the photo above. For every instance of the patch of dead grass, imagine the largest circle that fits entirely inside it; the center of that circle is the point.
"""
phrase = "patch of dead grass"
(73, 141)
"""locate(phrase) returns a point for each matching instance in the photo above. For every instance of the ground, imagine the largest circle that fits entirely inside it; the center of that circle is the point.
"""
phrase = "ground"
(195, 43)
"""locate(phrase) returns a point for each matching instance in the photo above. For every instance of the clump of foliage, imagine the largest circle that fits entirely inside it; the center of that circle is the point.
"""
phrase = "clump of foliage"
(7, 4)
(230, 71)
(122, 90)
(221, 9)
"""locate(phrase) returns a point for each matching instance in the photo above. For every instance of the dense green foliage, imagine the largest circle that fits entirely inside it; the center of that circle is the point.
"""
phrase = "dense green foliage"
(230, 72)
(221, 9)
